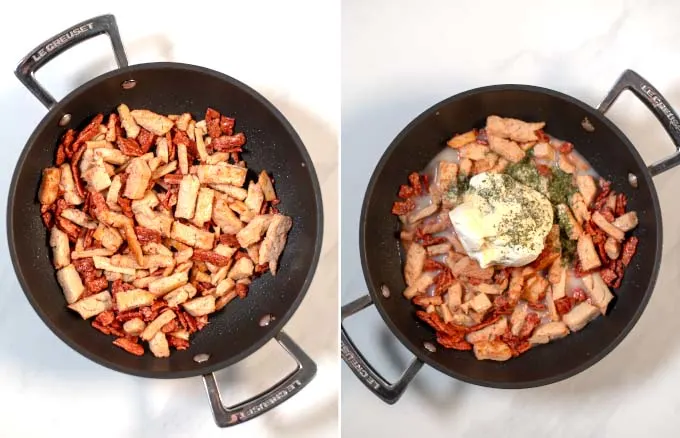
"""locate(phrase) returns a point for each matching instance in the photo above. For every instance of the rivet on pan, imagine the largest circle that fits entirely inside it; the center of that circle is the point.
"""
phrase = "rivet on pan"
(385, 291)
(632, 180)
(437, 113)
(65, 119)
(585, 124)
(128, 84)
(303, 164)
(266, 320)
(200, 358)
(429, 346)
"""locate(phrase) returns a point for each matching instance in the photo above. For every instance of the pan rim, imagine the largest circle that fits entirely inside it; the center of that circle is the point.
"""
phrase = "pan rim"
(377, 297)
(278, 323)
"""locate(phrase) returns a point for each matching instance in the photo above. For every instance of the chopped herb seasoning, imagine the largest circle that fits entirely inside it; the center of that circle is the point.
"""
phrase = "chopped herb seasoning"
(561, 187)
(563, 220)
(458, 188)
(568, 248)
(525, 172)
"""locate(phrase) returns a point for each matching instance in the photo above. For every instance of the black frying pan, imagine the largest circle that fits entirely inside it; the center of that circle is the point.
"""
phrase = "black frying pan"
(602, 144)
(172, 88)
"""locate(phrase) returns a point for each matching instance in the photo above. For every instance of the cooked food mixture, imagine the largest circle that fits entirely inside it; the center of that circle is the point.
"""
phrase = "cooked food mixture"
(154, 224)
(511, 240)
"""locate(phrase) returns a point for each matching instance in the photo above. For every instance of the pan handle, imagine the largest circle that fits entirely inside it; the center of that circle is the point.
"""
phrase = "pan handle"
(268, 400)
(656, 103)
(390, 393)
(61, 42)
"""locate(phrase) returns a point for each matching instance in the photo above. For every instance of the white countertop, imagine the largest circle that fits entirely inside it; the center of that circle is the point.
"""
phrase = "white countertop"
(45, 387)
(401, 57)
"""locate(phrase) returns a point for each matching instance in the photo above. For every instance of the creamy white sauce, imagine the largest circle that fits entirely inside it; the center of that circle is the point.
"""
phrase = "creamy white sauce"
(502, 222)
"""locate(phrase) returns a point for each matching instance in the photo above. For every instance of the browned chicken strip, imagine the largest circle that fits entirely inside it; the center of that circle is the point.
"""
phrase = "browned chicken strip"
(274, 241)
(513, 129)
(49, 186)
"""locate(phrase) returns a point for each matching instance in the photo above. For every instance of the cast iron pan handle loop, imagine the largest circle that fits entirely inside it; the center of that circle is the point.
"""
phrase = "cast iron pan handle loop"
(61, 42)
(388, 392)
(663, 111)
(268, 400)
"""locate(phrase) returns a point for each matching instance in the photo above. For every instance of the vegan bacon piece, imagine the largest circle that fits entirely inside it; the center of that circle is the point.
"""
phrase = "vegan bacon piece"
(129, 147)
(402, 208)
(229, 143)
(76, 171)
(96, 285)
(227, 125)
(453, 342)
(212, 120)
(406, 192)
(565, 147)
(129, 345)
(128, 235)
(125, 205)
(628, 251)
(241, 290)
(229, 240)
(106, 318)
(414, 180)
(180, 137)
(64, 149)
(145, 140)
(432, 265)
(210, 257)
(621, 202)
(179, 344)
(91, 130)
(146, 235)
(564, 305)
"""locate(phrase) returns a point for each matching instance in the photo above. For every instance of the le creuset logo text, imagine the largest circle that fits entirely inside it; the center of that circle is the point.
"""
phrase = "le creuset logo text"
(61, 40)
(354, 363)
(657, 103)
(271, 401)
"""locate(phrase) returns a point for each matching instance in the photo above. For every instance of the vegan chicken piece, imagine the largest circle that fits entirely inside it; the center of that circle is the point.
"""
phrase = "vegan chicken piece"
(159, 345)
(492, 350)
(49, 186)
(580, 315)
(221, 174)
(225, 218)
(127, 121)
(70, 283)
(549, 332)
(507, 149)
(153, 225)
(92, 305)
(139, 175)
(186, 199)
(460, 140)
(586, 185)
(415, 260)
(626, 222)
(152, 122)
(517, 130)
(274, 241)
(61, 252)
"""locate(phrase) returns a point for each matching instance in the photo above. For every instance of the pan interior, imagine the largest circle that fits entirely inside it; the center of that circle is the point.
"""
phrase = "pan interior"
(610, 153)
(273, 145)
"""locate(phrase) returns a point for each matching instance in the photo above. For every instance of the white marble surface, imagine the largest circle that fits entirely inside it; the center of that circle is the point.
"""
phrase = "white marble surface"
(46, 389)
(400, 57)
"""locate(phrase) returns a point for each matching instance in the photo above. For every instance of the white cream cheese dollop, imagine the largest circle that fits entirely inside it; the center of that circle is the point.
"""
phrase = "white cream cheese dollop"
(500, 221)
